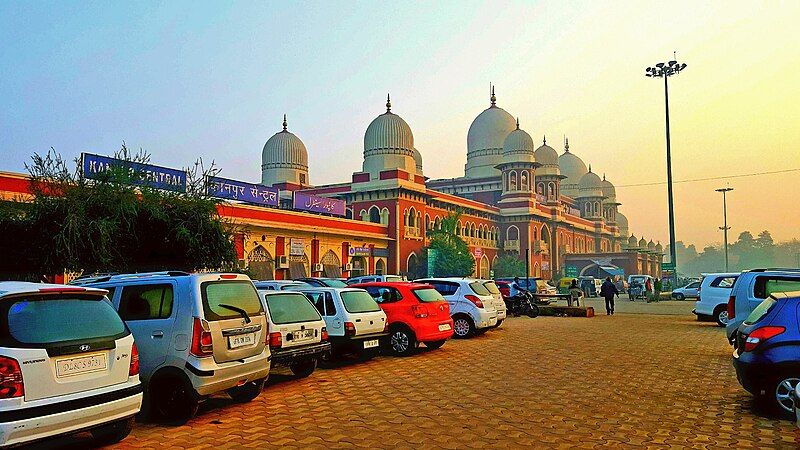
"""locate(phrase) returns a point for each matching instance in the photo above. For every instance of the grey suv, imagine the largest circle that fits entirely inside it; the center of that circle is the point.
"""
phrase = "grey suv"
(197, 335)
(751, 288)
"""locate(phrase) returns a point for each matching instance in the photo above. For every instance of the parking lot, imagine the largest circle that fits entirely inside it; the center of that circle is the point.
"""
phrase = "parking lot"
(630, 380)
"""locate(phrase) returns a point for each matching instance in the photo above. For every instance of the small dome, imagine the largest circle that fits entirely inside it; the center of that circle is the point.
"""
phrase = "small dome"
(659, 247)
(485, 139)
(418, 161)
(651, 245)
(546, 155)
(642, 243)
(609, 191)
(388, 144)
(622, 224)
(590, 185)
(632, 241)
(518, 146)
(284, 158)
(573, 169)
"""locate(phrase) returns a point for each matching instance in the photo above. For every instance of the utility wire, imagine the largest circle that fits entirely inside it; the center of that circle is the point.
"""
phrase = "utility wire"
(692, 180)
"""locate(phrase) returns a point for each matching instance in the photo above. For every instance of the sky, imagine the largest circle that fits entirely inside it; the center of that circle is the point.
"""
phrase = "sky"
(212, 80)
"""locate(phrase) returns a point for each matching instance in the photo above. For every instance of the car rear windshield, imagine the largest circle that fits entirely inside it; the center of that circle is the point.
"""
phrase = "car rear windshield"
(393, 278)
(760, 311)
(47, 320)
(291, 308)
(724, 282)
(769, 285)
(428, 295)
(491, 287)
(228, 299)
(334, 283)
(477, 287)
(359, 302)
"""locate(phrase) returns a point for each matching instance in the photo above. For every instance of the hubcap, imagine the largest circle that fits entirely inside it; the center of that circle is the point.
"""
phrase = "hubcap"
(784, 393)
(399, 342)
(723, 317)
(461, 327)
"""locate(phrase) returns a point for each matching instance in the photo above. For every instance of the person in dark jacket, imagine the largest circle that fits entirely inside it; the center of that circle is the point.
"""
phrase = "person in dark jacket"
(608, 291)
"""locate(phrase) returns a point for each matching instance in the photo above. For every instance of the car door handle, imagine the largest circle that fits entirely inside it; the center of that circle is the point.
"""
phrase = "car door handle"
(158, 334)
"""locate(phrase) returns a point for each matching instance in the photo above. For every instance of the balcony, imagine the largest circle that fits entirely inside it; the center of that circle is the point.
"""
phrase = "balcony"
(412, 233)
(540, 247)
(511, 246)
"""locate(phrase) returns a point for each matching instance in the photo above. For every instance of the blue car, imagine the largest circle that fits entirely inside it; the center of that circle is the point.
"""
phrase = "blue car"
(767, 352)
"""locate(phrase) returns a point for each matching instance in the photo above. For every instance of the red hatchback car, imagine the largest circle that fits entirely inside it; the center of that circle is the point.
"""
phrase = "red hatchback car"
(415, 313)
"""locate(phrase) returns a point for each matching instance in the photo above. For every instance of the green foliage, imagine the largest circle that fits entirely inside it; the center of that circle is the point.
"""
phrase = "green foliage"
(509, 266)
(453, 258)
(102, 225)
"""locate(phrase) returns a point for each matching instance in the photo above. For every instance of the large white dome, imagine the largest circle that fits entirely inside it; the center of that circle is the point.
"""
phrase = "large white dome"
(418, 161)
(518, 146)
(485, 139)
(548, 158)
(284, 159)
(573, 169)
(609, 191)
(590, 185)
(388, 144)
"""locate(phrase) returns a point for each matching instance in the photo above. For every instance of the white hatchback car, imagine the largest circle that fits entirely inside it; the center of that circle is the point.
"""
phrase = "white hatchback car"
(355, 321)
(68, 364)
(471, 304)
(715, 290)
(499, 303)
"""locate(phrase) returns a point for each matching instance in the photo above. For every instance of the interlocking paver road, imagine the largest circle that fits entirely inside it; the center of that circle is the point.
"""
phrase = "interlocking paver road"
(630, 380)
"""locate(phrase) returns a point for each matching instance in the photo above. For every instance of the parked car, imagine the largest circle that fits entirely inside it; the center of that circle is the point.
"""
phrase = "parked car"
(279, 285)
(767, 353)
(416, 313)
(637, 286)
(504, 287)
(68, 364)
(691, 290)
(499, 303)
(323, 282)
(198, 334)
(376, 279)
(471, 305)
(355, 321)
(298, 337)
(751, 288)
(714, 291)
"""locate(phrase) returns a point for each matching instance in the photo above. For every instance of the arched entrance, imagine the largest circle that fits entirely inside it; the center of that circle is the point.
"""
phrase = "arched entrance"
(359, 266)
(261, 264)
(412, 266)
(331, 265)
(484, 267)
(298, 267)
(380, 267)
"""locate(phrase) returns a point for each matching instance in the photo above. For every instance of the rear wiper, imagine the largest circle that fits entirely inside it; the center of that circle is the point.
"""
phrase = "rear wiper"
(237, 309)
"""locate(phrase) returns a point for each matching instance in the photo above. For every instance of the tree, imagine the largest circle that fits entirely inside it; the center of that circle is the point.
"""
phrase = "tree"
(509, 266)
(115, 222)
(453, 258)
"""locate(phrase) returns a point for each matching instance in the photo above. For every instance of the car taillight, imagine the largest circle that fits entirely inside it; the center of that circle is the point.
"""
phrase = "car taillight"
(10, 378)
(760, 335)
(385, 326)
(349, 329)
(275, 339)
(325, 333)
(201, 340)
(134, 367)
(475, 300)
(731, 307)
(420, 311)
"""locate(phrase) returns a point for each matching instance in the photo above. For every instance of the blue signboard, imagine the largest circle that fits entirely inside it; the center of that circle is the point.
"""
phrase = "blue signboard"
(314, 203)
(243, 192)
(141, 174)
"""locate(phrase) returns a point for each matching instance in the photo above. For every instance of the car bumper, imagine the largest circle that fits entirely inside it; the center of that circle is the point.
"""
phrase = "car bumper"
(27, 425)
(356, 343)
(211, 377)
(290, 355)
(486, 320)
(749, 374)
(430, 332)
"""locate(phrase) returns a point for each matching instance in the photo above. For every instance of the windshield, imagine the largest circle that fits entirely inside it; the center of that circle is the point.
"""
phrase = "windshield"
(478, 288)
(760, 311)
(334, 283)
(393, 278)
(491, 287)
(291, 308)
(427, 295)
(46, 320)
(228, 299)
(359, 302)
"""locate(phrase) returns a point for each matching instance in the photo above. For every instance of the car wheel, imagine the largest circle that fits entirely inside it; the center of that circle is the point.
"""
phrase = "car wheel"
(402, 342)
(113, 432)
(721, 315)
(781, 390)
(463, 327)
(246, 392)
(303, 369)
(679, 296)
(433, 345)
(499, 322)
(175, 401)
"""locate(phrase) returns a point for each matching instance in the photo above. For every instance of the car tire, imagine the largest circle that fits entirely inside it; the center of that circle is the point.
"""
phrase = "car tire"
(780, 394)
(174, 400)
(433, 345)
(113, 432)
(680, 296)
(721, 315)
(303, 369)
(247, 392)
(402, 342)
(463, 327)
(499, 322)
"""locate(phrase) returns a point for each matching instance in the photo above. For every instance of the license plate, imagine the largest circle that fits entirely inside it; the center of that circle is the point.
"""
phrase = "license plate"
(371, 344)
(444, 327)
(303, 334)
(84, 364)
(241, 340)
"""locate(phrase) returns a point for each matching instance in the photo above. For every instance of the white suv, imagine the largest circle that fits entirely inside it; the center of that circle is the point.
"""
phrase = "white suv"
(715, 289)
(471, 304)
(68, 364)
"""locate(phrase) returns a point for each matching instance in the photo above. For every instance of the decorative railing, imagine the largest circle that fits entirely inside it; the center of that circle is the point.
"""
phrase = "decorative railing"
(511, 245)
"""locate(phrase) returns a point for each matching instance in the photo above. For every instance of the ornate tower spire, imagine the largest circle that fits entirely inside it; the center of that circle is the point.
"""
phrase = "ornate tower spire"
(544, 139)
(590, 167)
(566, 144)
(388, 104)
(284, 122)
(493, 99)
(518, 123)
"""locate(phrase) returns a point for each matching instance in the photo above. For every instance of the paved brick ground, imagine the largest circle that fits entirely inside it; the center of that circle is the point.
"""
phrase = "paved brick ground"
(626, 381)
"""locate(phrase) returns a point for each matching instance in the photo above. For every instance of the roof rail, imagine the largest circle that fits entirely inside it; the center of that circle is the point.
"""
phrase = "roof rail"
(776, 269)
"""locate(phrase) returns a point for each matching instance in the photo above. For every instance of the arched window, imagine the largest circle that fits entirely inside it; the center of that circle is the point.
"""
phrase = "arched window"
(551, 190)
(540, 188)
(512, 184)
(523, 181)
(512, 233)
(412, 217)
(437, 223)
(459, 229)
(374, 215)
(385, 216)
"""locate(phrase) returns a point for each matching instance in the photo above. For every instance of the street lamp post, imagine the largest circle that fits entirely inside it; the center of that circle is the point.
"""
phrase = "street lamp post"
(666, 70)
(725, 226)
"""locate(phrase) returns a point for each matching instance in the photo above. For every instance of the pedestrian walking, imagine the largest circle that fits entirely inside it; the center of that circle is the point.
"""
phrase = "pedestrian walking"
(608, 291)
(575, 294)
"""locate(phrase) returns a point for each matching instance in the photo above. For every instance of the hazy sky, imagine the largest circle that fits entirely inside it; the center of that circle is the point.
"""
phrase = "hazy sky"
(213, 79)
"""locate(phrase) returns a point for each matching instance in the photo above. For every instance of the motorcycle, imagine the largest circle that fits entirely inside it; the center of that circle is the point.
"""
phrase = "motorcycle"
(522, 303)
